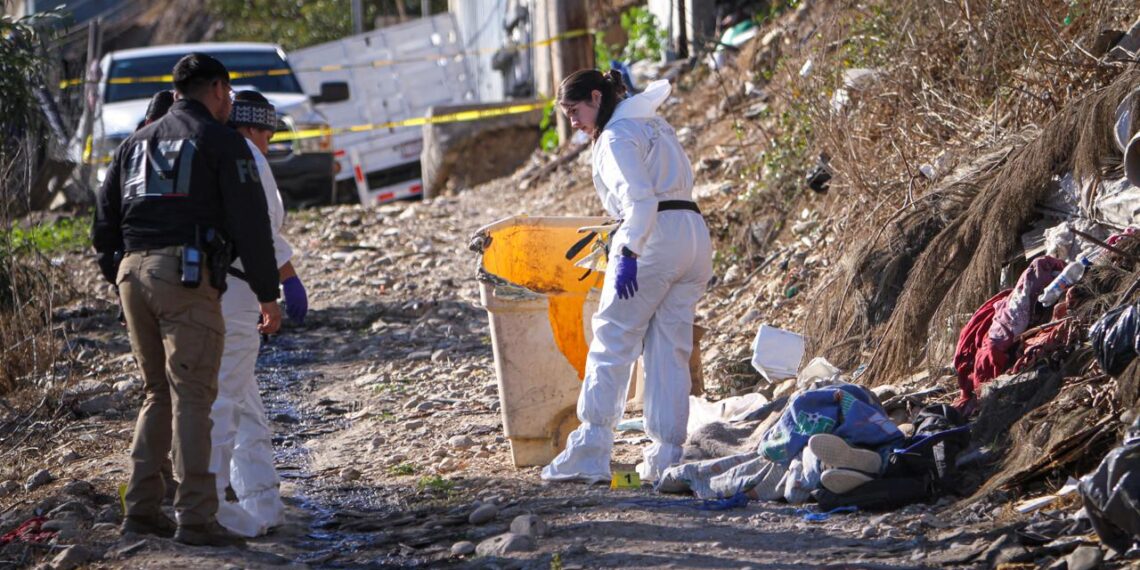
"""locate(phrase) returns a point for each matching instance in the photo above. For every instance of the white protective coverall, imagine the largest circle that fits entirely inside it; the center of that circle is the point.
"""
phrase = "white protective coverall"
(638, 162)
(242, 453)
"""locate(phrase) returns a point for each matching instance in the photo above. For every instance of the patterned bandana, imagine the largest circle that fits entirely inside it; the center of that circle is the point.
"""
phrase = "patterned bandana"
(252, 114)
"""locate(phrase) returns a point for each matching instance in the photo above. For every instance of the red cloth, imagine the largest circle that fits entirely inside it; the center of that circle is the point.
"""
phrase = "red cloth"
(28, 532)
(1047, 341)
(977, 360)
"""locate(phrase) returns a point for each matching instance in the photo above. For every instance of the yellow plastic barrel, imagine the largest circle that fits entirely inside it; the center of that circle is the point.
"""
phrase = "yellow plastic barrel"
(539, 308)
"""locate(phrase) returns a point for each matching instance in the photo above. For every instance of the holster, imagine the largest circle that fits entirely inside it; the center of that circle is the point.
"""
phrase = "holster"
(219, 256)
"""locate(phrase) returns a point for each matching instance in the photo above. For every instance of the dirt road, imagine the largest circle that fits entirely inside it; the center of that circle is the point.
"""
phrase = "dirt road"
(389, 435)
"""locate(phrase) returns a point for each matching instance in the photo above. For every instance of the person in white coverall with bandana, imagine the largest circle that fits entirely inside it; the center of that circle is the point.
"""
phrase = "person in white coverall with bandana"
(242, 454)
(660, 263)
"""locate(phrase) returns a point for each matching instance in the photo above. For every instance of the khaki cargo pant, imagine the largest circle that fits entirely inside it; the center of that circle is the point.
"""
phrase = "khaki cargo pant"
(177, 335)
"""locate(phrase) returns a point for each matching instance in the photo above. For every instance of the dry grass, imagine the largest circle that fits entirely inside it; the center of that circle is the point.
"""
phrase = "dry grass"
(1004, 95)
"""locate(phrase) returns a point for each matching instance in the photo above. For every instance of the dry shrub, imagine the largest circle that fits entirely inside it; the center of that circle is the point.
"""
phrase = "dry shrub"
(970, 84)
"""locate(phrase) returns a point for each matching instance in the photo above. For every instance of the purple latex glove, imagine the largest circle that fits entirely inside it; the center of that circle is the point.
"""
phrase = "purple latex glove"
(296, 299)
(626, 277)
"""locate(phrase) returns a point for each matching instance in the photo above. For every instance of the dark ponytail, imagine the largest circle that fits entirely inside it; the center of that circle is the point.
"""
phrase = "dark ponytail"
(581, 84)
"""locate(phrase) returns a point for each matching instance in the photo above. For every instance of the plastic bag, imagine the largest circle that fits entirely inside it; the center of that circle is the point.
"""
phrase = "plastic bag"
(1111, 494)
(1114, 339)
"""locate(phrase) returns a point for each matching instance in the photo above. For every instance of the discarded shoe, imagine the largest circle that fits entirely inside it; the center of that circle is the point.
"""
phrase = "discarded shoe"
(841, 481)
(155, 525)
(833, 452)
(210, 534)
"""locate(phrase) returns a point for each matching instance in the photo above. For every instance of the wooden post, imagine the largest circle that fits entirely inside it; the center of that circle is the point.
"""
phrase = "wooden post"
(683, 33)
(540, 24)
(570, 54)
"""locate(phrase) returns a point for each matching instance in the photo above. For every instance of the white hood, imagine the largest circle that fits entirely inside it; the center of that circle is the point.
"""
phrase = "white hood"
(643, 105)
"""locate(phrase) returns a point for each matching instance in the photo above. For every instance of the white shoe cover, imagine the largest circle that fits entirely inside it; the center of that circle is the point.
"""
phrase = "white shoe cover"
(658, 458)
(238, 521)
(586, 457)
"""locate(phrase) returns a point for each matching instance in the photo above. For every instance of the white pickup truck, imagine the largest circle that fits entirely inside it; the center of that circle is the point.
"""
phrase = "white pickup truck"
(394, 74)
(305, 169)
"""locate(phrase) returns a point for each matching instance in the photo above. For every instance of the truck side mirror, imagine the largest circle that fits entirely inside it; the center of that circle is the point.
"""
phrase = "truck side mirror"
(331, 92)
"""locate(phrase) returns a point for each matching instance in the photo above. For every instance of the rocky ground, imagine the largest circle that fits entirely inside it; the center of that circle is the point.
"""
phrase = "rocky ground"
(390, 441)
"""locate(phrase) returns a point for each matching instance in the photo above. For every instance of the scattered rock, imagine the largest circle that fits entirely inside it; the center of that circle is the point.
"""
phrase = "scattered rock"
(491, 389)
(412, 425)
(125, 387)
(71, 557)
(484, 514)
(462, 442)
(530, 525)
(463, 548)
(8, 487)
(70, 457)
(350, 474)
(129, 549)
(1085, 558)
(426, 406)
(869, 531)
(447, 465)
(85, 388)
(576, 549)
(505, 544)
(71, 510)
(284, 418)
(59, 525)
(41, 478)
(378, 442)
(97, 405)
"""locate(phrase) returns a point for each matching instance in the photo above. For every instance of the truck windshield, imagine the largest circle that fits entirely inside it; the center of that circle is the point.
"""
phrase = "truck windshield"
(154, 72)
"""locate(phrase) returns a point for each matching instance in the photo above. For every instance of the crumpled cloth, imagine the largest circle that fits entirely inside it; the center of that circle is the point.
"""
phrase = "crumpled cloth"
(1055, 338)
(29, 531)
(846, 410)
(747, 473)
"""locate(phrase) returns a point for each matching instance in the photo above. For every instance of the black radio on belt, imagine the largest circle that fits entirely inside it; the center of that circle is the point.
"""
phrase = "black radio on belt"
(191, 266)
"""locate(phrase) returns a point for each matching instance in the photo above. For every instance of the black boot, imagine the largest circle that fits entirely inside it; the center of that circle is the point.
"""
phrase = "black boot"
(154, 525)
(209, 534)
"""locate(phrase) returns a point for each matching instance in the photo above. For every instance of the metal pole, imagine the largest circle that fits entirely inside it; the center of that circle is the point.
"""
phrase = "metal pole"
(425, 8)
(357, 17)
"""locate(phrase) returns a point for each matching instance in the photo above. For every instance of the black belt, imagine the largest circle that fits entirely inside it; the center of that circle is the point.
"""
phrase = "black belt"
(666, 205)
(238, 273)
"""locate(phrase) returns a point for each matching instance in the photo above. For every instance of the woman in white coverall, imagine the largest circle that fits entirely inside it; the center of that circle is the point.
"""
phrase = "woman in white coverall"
(242, 454)
(659, 266)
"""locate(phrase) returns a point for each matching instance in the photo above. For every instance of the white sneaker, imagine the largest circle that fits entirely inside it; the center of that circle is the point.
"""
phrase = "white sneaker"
(840, 481)
(835, 453)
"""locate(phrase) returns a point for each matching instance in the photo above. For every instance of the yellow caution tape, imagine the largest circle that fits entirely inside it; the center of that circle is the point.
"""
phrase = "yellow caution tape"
(625, 480)
(342, 67)
(457, 117)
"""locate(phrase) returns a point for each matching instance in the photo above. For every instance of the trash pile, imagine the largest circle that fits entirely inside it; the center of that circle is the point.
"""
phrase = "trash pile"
(1018, 286)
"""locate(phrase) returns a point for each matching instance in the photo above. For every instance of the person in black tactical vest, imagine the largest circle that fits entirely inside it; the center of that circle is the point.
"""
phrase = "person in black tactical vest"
(180, 198)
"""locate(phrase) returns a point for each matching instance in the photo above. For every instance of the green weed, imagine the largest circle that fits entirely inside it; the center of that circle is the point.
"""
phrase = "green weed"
(66, 234)
(402, 469)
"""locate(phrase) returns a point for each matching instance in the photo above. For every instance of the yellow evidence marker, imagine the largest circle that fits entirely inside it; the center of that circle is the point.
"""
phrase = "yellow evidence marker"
(625, 480)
